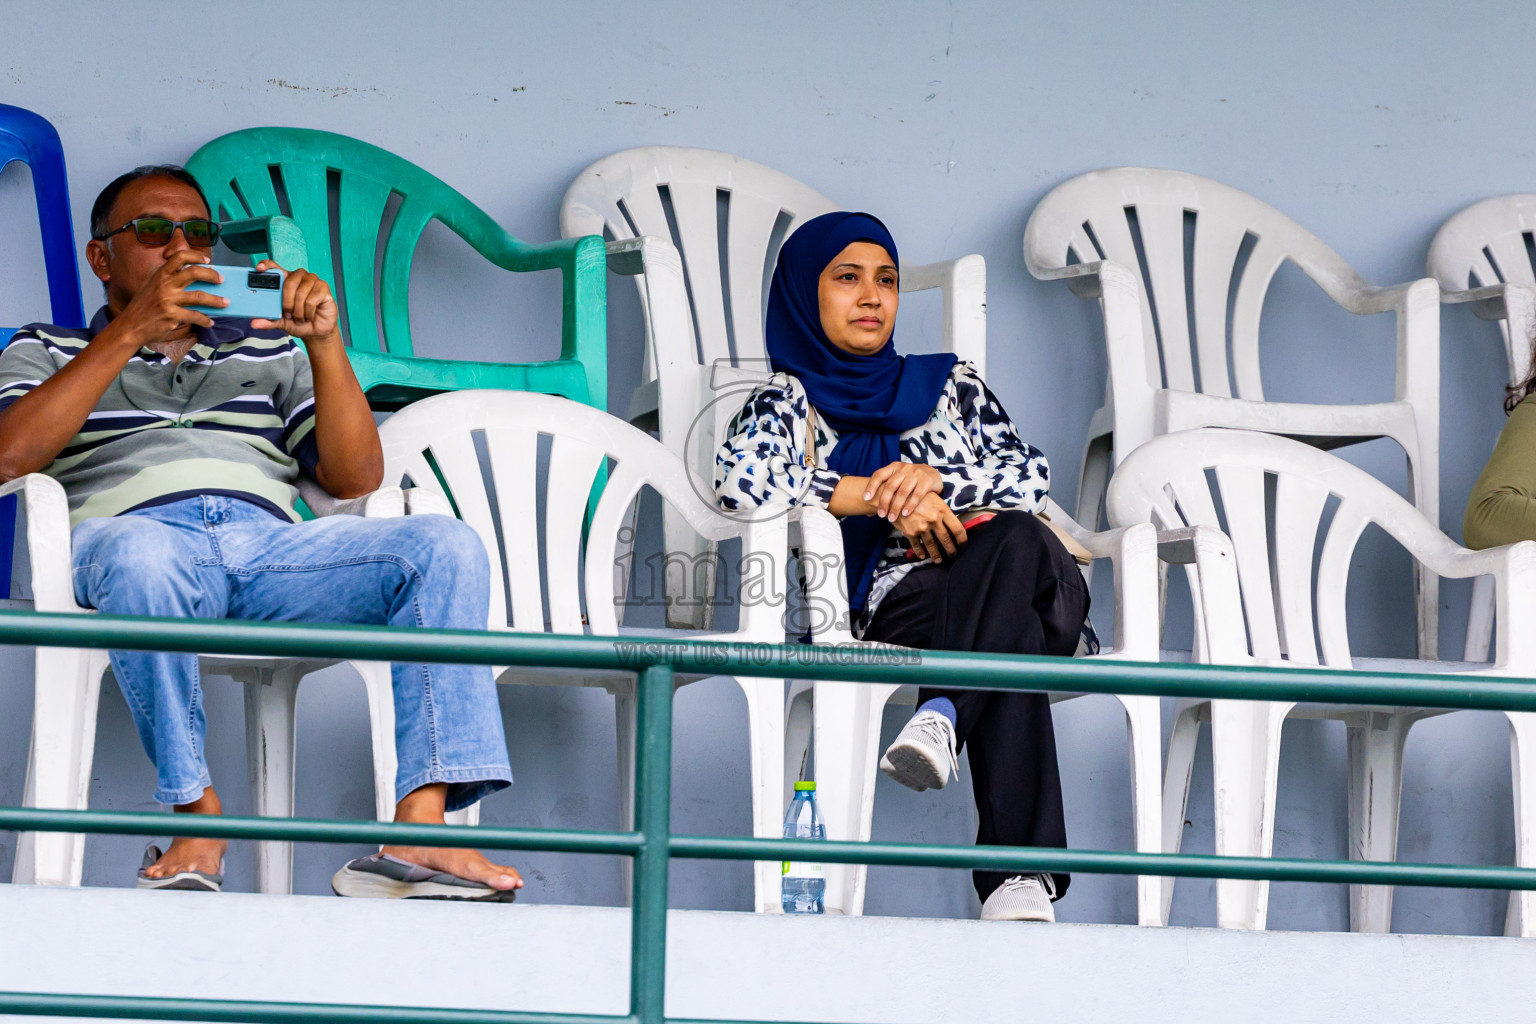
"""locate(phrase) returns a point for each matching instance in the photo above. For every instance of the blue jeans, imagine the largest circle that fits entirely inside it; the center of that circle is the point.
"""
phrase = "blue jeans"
(214, 557)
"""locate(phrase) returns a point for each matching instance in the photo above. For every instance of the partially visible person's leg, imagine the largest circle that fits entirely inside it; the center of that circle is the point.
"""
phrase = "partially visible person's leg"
(423, 571)
(158, 562)
(1012, 589)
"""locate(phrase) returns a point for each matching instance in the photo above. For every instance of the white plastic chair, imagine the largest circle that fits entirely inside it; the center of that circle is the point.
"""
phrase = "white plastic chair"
(1480, 257)
(848, 715)
(1086, 232)
(729, 216)
(68, 687)
(1259, 601)
(584, 578)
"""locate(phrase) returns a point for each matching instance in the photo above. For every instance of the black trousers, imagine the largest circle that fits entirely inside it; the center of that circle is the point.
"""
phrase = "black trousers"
(1012, 589)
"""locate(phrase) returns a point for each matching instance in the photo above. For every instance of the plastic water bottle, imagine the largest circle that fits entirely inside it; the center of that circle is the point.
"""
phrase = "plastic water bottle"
(803, 887)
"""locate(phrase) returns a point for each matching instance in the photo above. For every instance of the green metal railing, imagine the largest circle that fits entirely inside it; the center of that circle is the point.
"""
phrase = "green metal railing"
(652, 844)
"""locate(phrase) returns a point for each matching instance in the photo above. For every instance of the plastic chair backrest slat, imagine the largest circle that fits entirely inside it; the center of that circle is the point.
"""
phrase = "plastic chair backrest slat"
(750, 228)
(309, 203)
(361, 207)
(410, 221)
(514, 457)
(573, 465)
(1299, 505)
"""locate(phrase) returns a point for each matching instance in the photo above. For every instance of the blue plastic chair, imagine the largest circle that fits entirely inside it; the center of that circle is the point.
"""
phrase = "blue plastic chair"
(27, 137)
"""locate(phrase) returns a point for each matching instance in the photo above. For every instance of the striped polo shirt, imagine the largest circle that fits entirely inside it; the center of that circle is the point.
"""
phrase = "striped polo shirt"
(235, 417)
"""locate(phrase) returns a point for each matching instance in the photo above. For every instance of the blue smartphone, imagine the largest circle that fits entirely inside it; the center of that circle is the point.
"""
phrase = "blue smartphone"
(251, 293)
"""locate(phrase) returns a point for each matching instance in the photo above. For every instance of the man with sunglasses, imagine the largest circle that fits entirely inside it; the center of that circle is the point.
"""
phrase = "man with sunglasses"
(178, 438)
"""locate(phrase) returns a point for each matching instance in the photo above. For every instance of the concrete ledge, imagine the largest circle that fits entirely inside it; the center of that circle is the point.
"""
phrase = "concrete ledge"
(724, 965)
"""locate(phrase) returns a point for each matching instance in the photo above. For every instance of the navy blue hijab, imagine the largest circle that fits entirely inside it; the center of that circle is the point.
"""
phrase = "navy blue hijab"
(868, 400)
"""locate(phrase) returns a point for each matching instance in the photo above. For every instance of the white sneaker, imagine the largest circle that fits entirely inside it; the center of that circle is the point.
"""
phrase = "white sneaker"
(924, 754)
(1021, 898)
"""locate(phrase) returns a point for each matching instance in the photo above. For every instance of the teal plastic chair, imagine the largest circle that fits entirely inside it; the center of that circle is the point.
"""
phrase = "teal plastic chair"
(321, 174)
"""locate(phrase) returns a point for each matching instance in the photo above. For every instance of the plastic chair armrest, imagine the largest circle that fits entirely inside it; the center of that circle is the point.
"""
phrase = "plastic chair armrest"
(419, 501)
(1085, 279)
(1132, 552)
(383, 503)
(1513, 567)
(1452, 561)
(669, 322)
(584, 317)
(48, 540)
(1512, 302)
(1119, 289)
(821, 558)
(964, 283)
(1417, 305)
(1487, 301)
(275, 236)
(1372, 299)
(562, 253)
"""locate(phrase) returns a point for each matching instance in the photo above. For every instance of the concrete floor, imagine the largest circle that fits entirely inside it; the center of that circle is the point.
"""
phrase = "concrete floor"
(741, 966)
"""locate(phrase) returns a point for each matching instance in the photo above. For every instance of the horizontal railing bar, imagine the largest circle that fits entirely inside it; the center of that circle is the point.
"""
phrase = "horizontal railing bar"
(808, 661)
(1000, 858)
(314, 830)
(240, 1010)
(1106, 862)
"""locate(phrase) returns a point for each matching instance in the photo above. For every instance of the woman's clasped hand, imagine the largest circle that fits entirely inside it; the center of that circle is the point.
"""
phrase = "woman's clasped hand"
(907, 494)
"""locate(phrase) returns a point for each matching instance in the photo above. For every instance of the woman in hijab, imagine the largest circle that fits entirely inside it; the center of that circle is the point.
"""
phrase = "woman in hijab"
(912, 452)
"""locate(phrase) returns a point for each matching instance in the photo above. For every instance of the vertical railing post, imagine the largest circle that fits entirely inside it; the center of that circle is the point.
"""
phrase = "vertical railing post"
(653, 820)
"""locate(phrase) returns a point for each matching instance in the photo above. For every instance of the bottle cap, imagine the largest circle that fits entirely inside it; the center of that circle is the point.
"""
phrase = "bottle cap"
(805, 787)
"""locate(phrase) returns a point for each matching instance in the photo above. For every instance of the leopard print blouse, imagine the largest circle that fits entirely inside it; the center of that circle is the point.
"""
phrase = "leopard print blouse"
(969, 439)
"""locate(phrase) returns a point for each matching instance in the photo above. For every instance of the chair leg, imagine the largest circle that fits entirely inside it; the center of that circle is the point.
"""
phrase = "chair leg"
(1521, 919)
(1181, 765)
(1245, 746)
(765, 730)
(1375, 796)
(847, 739)
(797, 734)
(270, 698)
(1144, 726)
(1424, 485)
(378, 686)
(67, 691)
(1479, 620)
(626, 711)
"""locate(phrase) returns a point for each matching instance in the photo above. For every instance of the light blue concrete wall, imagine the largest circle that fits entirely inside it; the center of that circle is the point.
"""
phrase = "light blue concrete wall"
(1368, 125)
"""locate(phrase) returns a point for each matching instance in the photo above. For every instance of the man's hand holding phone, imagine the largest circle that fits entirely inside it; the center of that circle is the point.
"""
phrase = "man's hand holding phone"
(309, 309)
(161, 310)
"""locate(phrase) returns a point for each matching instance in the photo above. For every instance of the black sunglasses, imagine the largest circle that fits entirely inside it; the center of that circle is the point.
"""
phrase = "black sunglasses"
(158, 231)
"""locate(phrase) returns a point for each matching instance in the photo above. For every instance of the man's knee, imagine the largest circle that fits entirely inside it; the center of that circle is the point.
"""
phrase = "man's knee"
(442, 547)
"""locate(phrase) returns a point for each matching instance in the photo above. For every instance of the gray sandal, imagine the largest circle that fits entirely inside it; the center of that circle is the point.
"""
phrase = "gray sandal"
(192, 881)
(384, 877)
